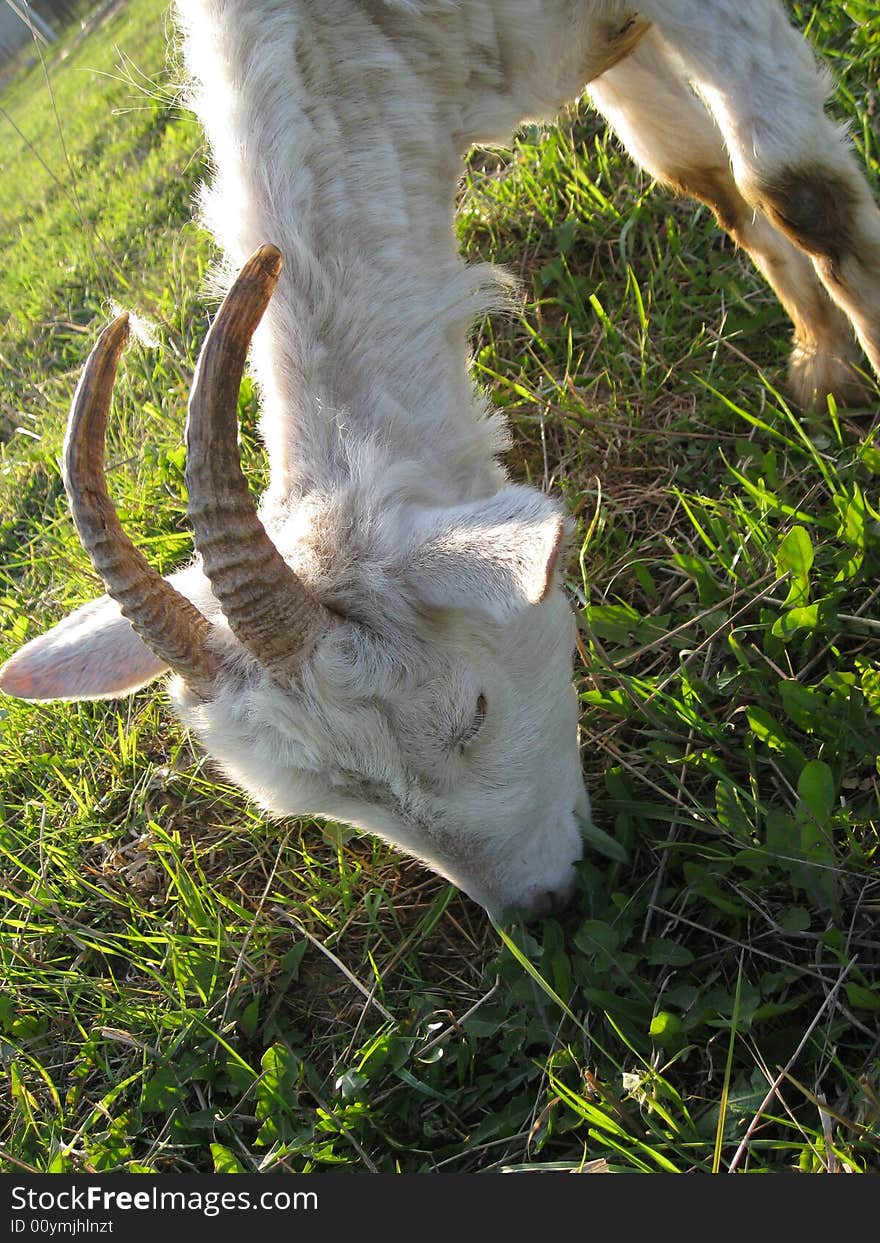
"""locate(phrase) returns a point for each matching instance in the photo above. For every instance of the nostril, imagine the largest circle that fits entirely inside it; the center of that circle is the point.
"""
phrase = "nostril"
(552, 901)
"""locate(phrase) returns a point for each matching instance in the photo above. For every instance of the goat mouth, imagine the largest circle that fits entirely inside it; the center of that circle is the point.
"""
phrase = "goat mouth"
(544, 905)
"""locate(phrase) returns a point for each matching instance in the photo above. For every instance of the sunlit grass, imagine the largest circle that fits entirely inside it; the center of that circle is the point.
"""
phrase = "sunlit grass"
(187, 986)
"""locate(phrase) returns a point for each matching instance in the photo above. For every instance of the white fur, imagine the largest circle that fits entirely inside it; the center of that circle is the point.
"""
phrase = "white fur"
(336, 129)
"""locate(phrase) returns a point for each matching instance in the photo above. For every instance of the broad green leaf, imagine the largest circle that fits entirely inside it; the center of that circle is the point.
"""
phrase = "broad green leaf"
(871, 458)
(351, 1084)
(661, 950)
(805, 707)
(852, 531)
(768, 730)
(795, 556)
(250, 1017)
(861, 998)
(616, 622)
(565, 234)
(730, 813)
(665, 1026)
(225, 1161)
(795, 919)
(870, 683)
(802, 617)
(708, 590)
(161, 1092)
(292, 959)
(594, 935)
(765, 728)
(816, 790)
(782, 835)
(600, 841)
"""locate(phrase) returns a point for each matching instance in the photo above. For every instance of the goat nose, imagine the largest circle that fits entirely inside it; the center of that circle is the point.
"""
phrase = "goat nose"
(552, 901)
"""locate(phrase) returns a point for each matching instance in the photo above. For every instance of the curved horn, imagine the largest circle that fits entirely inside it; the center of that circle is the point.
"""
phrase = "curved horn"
(168, 623)
(268, 608)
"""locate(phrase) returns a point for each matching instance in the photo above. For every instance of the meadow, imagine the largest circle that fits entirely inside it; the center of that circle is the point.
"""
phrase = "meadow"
(187, 986)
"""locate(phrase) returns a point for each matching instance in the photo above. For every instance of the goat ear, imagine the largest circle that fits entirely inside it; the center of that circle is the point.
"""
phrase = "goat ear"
(92, 654)
(497, 556)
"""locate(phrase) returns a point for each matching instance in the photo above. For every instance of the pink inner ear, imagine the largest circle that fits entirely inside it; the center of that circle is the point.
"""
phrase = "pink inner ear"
(25, 679)
(92, 654)
(555, 538)
(73, 676)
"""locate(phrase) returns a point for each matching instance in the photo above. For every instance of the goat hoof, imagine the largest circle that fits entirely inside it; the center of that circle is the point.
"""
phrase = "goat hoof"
(814, 374)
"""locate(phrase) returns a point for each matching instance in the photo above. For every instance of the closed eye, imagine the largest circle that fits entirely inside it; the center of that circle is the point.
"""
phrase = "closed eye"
(470, 731)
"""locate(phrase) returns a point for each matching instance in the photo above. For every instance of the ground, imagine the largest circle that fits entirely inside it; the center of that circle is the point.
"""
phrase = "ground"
(188, 986)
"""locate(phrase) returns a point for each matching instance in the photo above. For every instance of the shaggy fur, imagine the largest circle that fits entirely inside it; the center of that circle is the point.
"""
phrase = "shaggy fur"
(439, 712)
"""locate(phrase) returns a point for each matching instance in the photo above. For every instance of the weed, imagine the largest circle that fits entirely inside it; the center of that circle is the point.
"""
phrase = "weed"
(186, 986)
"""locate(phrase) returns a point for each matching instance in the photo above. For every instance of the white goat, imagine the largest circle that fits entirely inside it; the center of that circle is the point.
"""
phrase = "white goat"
(390, 646)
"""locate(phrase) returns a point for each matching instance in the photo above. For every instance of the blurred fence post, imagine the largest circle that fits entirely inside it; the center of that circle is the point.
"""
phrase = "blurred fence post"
(33, 21)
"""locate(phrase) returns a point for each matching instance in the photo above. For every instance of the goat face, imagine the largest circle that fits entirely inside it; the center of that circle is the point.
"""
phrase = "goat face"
(455, 742)
(402, 668)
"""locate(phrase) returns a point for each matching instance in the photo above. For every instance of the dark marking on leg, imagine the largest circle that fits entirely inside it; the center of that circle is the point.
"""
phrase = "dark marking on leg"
(618, 42)
(716, 188)
(824, 345)
(814, 209)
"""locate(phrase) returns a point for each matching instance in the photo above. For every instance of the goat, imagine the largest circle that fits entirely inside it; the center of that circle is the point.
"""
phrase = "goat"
(388, 643)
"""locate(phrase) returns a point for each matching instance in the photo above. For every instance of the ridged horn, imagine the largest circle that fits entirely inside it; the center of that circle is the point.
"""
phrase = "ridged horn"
(169, 624)
(267, 605)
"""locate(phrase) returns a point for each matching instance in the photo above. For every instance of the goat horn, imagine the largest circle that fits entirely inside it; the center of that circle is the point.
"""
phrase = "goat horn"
(168, 623)
(266, 604)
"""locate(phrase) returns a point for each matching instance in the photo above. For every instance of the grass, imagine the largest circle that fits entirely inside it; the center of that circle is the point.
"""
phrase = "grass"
(188, 987)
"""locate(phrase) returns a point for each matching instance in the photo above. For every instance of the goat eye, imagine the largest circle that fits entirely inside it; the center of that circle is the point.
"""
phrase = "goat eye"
(471, 731)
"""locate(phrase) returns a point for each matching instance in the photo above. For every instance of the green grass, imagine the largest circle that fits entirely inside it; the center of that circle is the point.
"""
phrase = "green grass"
(186, 986)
